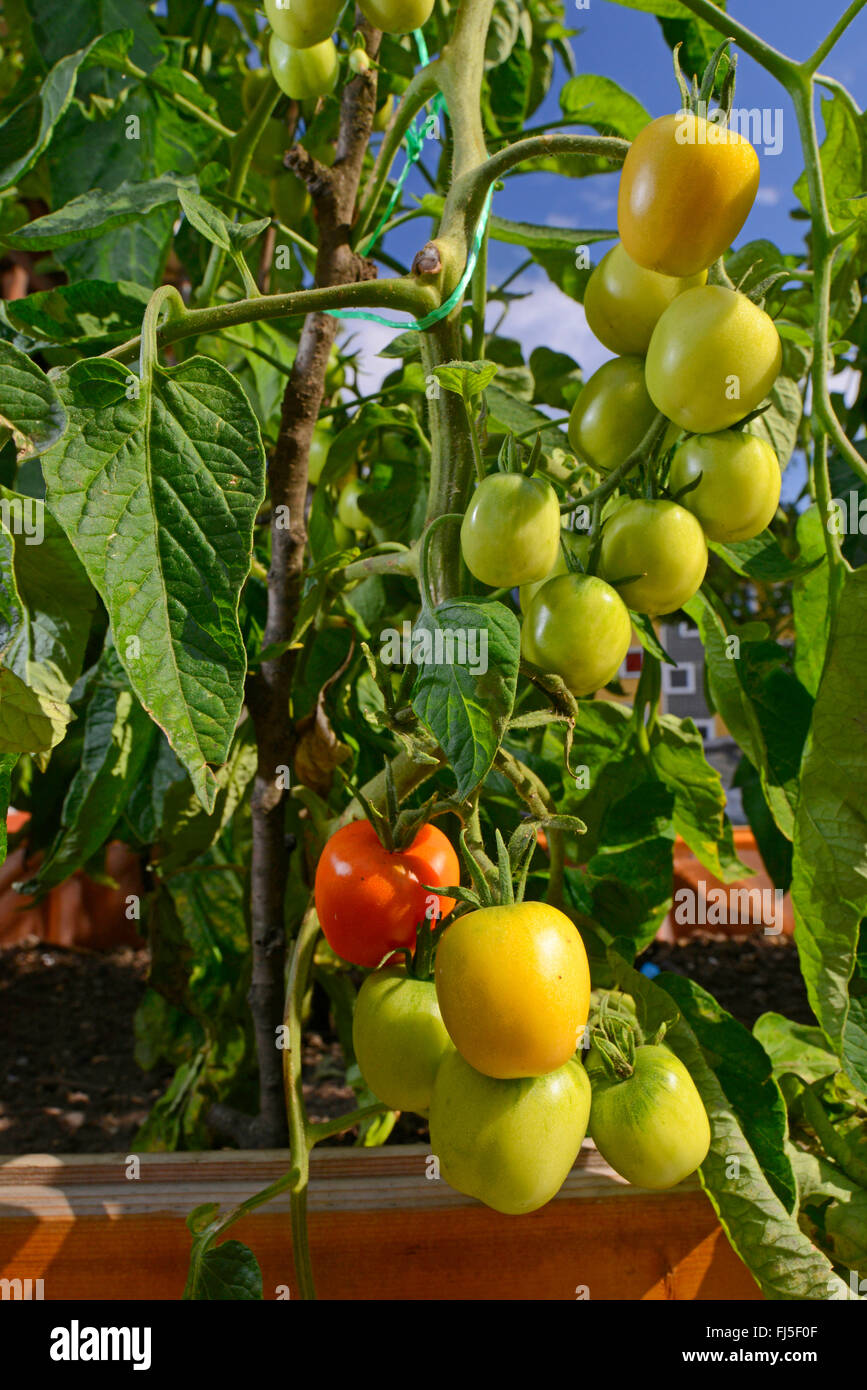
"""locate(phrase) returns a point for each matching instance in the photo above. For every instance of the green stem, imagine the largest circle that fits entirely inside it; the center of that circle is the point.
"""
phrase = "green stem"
(165, 297)
(428, 594)
(480, 299)
(326, 1128)
(181, 102)
(645, 450)
(829, 41)
(478, 460)
(422, 87)
(776, 63)
(400, 560)
(396, 293)
(299, 974)
(834, 1144)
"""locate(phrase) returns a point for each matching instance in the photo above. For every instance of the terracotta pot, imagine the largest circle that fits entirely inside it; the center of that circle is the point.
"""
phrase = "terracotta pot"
(78, 912)
(704, 903)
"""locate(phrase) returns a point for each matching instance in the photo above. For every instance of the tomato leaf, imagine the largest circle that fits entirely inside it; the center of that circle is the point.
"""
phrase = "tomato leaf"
(467, 379)
(763, 559)
(28, 399)
(97, 212)
(467, 710)
(158, 490)
(603, 105)
(92, 312)
(829, 874)
(699, 814)
(746, 1174)
(227, 1271)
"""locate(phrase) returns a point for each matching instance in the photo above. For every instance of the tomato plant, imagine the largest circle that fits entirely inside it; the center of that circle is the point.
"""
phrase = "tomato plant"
(370, 900)
(220, 287)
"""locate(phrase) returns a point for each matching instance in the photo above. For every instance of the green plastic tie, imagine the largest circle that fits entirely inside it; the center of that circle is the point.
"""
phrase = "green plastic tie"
(414, 146)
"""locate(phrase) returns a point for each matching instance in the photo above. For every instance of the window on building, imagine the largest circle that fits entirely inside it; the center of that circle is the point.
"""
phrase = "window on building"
(679, 680)
(705, 728)
(632, 664)
(687, 628)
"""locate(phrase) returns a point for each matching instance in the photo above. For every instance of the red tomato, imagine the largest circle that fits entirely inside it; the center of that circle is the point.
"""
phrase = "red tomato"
(370, 900)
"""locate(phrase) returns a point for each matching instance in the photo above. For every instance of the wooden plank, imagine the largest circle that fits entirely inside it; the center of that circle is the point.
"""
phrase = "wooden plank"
(379, 1229)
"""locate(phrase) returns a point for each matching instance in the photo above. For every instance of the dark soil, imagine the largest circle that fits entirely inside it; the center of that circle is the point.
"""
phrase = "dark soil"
(69, 1082)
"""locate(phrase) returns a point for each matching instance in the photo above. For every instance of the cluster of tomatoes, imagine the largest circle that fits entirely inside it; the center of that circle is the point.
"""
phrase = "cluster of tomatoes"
(302, 53)
(702, 355)
(487, 1046)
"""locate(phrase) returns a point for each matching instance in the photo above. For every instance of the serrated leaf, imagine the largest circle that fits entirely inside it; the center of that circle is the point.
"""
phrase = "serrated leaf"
(227, 1271)
(208, 220)
(158, 494)
(466, 379)
(97, 212)
(90, 311)
(117, 739)
(28, 400)
(466, 710)
(762, 558)
(26, 132)
(604, 105)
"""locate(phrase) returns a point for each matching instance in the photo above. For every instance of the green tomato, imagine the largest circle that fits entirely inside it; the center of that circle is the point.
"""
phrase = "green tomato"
(320, 443)
(290, 199)
(579, 628)
(303, 23)
(577, 545)
(348, 510)
(623, 301)
(661, 543)
(511, 1144)
(510, 533)
(713, 357)
(612, 414)
(399, 1038)
(739, 491)
(397, 16)
(652, 1127)
(304, 73)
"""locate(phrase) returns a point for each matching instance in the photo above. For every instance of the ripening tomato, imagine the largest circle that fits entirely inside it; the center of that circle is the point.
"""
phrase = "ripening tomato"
(713, 357)
(397, 16)
(686, 188)
(577, 544)
(577, 627)
(510, 1144)
(652, 1126)
(510, 533)
(513, 986)
(348, 510)
(739, 491)
(623, 301)
(303, 23)
(399, 1038)
(612, 414)
(370, 900)
(660, 547)
(304, 73)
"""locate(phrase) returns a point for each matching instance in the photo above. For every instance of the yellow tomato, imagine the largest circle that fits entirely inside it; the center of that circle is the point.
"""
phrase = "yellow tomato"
(685, 191)
(513, 985)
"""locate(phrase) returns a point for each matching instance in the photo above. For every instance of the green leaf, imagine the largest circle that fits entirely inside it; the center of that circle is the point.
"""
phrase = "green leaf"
(626, 885)
(26, 133)
(158, 490)
(466, 710)
(46, 607)
(843, 156)
(646, 634)
(185, 829)
(117, 738)
(89, 312)
(506, 412)
(97, 212)
(602, 104)
(829, 879)
(467, 379)
(743, 1107)
(763, 559)
(699, 814)
(59, 28)
(565, 271)
(811, 608)
(227, 1271)
(744, 1071)
(208, 220)
(795, 1047)
(778, 425)
(28, 400)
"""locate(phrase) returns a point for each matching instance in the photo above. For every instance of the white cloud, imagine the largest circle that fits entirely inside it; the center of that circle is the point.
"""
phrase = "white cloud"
(768, 197)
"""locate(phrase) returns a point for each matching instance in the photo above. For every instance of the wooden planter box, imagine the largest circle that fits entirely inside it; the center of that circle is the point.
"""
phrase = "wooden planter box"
(379, 1229)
